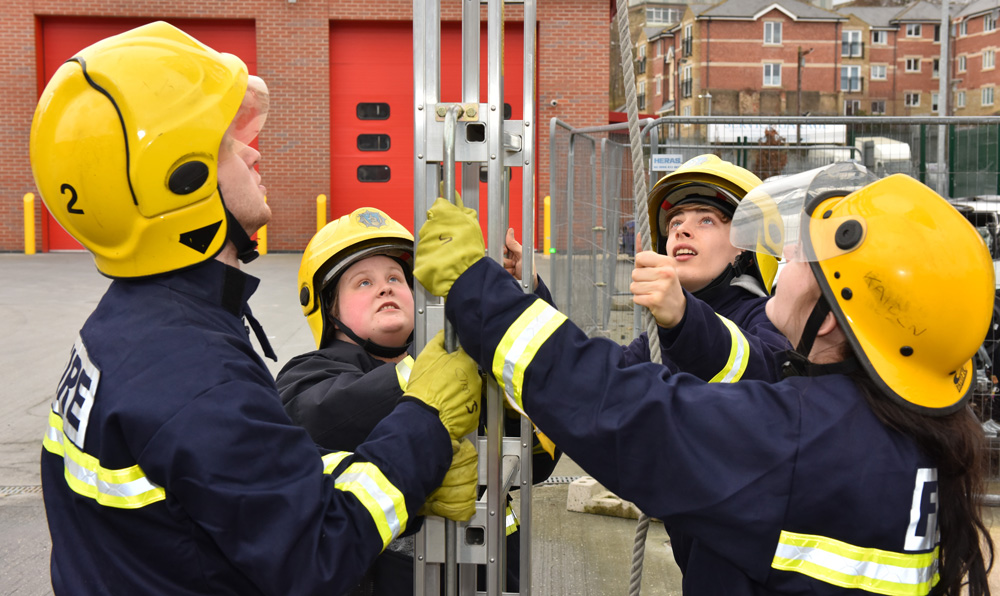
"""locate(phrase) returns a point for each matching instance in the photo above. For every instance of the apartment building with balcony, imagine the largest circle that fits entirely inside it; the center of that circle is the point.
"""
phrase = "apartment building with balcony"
(753, 57)
(786, 57)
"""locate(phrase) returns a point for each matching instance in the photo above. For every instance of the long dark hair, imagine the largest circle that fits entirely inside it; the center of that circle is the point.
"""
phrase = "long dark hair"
(957, 444)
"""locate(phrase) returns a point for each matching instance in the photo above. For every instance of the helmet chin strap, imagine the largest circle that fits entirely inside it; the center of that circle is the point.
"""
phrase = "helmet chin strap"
(371, 347)
(246, 249)
(797, 361)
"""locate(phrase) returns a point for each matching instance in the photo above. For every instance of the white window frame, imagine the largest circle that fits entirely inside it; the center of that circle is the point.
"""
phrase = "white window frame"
(853, 74)
(772, 29)
(879, 69)
(659, 84)
(846, 38)
(914, 30)
(775, 68)
(935, 68)
(961, 63)
(960, 99)
(963, 28)
(880, 111)
(935, 104)
(914, 61)
(855, 104)
(989, 59)
(988, 23)
(911, 99)
(987, 96)
(880, 38)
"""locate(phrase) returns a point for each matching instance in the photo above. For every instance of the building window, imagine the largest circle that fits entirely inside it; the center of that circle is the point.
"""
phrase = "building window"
(850, 44)
(935, 67)
(641, 98)
(772, 75)
(878, 72)
(934, 102)
(913, 65)
(772, 32)
(913, 30)
(659, 14)
(963, 28)
(989, 59)
(878, 107)
(686, 82)
(659, 85)
(686, 112)
(961, 63)
(686, 41)
(852, 107)
(937, 32)
(880, 38)
(987, 96)
(850, 78)
(960, 99)
(911, 99)
(989, 23)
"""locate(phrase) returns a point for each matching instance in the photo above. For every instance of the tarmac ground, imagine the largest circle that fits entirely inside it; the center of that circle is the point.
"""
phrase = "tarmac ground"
(45, 299)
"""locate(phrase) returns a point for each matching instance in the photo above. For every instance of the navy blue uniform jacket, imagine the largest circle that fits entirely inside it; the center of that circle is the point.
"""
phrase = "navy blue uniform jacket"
(170, 467)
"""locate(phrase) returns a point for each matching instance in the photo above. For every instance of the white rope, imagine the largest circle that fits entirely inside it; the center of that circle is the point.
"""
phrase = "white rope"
(642, 224)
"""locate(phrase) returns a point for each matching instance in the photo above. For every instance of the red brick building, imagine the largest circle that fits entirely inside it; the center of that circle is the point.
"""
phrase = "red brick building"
(321, 59)
(918, 53)
(974, 54)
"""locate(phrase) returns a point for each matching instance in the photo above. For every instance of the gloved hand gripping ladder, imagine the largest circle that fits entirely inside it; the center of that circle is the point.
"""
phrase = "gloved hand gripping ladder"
(444, 135)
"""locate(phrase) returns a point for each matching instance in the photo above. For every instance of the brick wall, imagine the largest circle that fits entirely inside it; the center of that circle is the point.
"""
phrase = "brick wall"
(293, 57)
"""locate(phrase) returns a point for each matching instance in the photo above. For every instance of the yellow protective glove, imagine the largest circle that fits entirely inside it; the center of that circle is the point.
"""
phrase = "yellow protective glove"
(450, 383)
(448, 244)
(456, 497)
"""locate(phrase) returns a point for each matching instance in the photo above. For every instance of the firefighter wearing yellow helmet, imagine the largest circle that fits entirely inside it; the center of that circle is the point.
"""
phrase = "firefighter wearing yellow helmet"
(863, 471)
(168, 463)
(706, 295)
(355, 288)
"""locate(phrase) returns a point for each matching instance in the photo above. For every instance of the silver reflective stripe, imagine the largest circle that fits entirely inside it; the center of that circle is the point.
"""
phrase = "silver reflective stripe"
(378, 496)
(849, 566)
(126, 488)
(739, 355)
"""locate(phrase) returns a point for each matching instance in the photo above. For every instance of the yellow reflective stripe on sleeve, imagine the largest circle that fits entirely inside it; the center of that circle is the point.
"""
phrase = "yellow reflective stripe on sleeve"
(739, 355)
(384, 502)
(127, 488)
(403, 369)
(520, 344)
(332, 460)
(511, 521)
(849, 566)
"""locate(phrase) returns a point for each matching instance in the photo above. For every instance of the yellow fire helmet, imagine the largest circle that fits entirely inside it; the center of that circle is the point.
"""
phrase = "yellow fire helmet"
(909, 279)
(125, 146)
(708, 180)
(339, 244)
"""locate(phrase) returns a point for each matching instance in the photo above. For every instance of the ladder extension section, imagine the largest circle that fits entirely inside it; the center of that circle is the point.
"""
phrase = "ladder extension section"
(474, 135)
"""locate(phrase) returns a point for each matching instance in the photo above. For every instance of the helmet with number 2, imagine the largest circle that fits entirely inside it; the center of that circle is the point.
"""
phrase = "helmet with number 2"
(125, 146)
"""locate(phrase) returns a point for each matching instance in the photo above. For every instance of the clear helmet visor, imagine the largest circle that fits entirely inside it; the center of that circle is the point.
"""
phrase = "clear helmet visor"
(250, 117)
(246, 124)
(773, 218)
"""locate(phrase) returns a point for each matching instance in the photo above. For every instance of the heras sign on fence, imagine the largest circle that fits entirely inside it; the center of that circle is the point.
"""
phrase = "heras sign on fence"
(666, 162)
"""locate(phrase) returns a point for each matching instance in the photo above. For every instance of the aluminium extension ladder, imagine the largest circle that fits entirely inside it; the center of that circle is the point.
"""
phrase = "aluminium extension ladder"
(473, 133)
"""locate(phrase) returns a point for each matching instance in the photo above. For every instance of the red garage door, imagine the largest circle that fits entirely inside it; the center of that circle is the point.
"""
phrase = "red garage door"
(371, 114)
(63, 37)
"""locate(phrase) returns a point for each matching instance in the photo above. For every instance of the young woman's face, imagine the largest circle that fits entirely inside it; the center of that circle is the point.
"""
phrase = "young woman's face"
(375, 302)
(698, 239)
(794, 297)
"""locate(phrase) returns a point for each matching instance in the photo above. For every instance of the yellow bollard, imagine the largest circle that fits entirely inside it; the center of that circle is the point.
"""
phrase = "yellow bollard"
(29, 223)
(320, 212)
(547, 225)
(262, 238)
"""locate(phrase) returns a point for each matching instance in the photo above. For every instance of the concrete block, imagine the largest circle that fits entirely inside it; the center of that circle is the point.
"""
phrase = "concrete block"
(587, 495)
